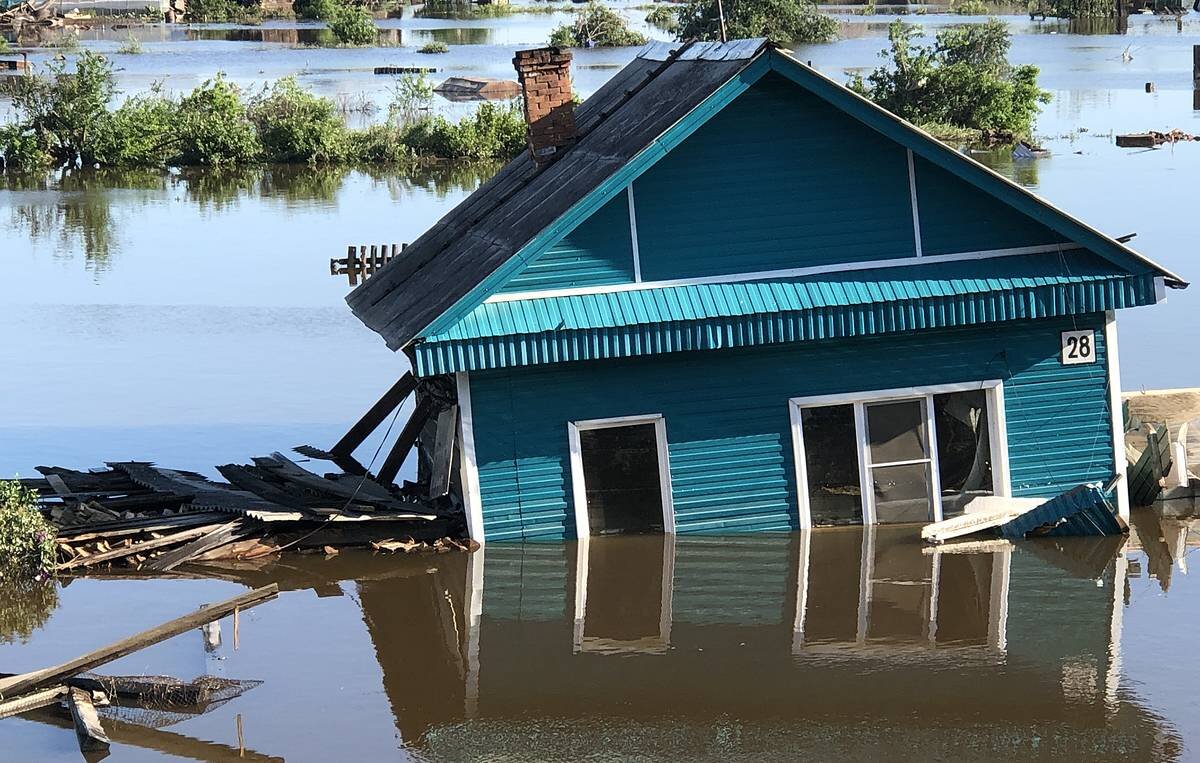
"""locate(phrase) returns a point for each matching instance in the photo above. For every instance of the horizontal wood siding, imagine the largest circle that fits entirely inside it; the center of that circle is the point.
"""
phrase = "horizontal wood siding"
(958, 217)
(727, 419)
(778, 179)
(598, 252)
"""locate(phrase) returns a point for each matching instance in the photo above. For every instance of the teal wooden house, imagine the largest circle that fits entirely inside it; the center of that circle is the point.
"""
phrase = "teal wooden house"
(726, 294)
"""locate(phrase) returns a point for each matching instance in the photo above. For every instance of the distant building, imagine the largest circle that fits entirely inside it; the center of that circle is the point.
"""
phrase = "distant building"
(726, 294)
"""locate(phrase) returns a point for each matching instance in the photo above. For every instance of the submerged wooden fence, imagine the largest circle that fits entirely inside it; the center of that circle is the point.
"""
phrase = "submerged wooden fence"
(364, 260)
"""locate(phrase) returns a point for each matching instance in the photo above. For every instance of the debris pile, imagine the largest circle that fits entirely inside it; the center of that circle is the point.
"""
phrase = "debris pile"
(136, 514)
(30, 14)
(1154, 139)
(70, 692)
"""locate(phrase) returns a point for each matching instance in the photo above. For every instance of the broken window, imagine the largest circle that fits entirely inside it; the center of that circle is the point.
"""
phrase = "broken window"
(831, 460)
(621, 478)
(963, 447)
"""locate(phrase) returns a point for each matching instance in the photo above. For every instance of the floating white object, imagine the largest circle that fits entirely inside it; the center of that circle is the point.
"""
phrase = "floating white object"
(980, 514)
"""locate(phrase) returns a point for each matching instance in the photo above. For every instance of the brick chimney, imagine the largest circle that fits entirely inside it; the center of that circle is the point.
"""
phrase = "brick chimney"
(545, 77)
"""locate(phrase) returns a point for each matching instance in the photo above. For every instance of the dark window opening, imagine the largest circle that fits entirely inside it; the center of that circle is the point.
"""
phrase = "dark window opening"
(831, 460)
(621, 477)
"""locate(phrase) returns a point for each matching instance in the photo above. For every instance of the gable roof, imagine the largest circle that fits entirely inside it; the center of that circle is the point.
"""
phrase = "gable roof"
(633, 120)
(470, 242)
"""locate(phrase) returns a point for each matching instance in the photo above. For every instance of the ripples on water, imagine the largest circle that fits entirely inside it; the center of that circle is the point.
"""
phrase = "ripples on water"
(838, 644)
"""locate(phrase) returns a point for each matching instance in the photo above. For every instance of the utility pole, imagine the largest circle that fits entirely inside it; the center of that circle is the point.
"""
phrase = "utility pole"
(721, 16)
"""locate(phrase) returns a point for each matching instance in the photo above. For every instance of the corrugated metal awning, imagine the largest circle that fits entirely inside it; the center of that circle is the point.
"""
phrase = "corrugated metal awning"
(835, 305)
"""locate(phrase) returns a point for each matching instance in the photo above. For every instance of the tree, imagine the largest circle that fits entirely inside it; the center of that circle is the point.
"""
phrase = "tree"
(962, 80)
(783, 21)
(596, 25)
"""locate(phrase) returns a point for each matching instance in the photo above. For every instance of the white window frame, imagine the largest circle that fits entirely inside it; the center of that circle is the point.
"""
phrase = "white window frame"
(997, 438)
(579, 489)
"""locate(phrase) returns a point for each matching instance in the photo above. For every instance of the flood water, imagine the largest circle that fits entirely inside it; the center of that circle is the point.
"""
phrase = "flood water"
(837, 644)
(189, 318)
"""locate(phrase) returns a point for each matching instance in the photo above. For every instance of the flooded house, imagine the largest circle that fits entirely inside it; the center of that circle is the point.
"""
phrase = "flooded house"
(727, 294)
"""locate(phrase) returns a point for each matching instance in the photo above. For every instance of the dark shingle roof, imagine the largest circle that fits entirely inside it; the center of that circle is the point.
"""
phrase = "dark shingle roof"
(622, 118)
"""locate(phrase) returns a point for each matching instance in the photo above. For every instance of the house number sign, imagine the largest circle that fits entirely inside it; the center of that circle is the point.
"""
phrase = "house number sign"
(1078, 347)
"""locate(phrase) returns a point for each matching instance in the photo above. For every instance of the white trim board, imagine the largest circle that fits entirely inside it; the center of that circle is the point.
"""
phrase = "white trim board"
(579, 489)
(997, 440)
(767, 275)
(633, 236)
(469, 467)
(1112, 356)
(916, 214)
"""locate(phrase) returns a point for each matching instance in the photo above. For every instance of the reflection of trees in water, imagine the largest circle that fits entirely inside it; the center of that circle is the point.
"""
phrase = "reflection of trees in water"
(82, 210)
(441, 178)
(1021, 171)
(25, 607)
(77, 207)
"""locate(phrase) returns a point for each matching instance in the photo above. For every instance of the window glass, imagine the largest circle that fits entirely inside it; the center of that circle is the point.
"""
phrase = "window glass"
(897, 431)
(831, 458)
(902, 493)
(964, 449)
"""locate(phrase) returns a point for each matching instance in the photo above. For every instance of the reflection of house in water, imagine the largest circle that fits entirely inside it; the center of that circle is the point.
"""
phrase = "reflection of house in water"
(796, 637)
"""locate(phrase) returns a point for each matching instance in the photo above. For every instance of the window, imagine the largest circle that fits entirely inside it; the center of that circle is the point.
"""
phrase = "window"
(892, 456)
(620, 477)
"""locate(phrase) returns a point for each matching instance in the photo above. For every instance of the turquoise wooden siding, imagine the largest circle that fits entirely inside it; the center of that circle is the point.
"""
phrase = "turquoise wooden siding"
(958, 217)
(728, 426)
(778, 179)
(598, 252)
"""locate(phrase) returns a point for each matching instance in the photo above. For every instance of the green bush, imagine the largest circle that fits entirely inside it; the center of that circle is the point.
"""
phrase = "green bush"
(64, 110)
(379, 144)
(352, 25)
(434, 47)
(969, 7)
(27, 550)
(664, 17)
(314, 10)
(215, 127)
(297, 126)
(492, 132)
(963, 79)
(782, 21)
(21, 150)
(132, 46)
(141, 132)
(596, 25)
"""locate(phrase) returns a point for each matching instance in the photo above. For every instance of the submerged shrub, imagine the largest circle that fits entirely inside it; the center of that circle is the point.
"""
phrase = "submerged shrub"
(215, 127)
(596, 25)
(132, 46)
(784, 21)
(26, 539)
(21, 150)
(142, 132)
(297, 126)
(492, 132)
(664, 17)
(434, 47)
(352, 25)
(963, 79)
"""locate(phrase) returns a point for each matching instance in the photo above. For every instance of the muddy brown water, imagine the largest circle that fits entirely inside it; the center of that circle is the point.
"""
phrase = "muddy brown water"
(841, 644)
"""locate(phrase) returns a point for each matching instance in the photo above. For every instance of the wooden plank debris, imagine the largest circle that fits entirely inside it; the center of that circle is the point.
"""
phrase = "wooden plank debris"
(136, 548)
(371, 420)
(87, 722)
(33, 701)
(443, 452)
(405, 441)
(214, 538)
(26, 682)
